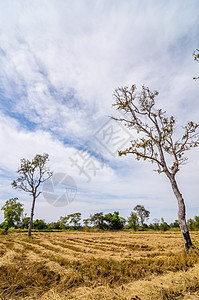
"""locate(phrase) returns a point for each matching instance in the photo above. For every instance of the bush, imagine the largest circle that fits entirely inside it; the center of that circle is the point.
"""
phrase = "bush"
(11, 230)
(86, 229)
(3, 232)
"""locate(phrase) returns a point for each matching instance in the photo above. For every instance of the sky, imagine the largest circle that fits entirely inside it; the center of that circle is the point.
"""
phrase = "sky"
(60, 64)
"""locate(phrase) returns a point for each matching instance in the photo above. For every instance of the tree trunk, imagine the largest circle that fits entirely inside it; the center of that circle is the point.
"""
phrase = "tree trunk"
(181, 215)
(31, 217)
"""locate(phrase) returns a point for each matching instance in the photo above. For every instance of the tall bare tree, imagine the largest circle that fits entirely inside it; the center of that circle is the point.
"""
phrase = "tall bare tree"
(196, 58)
(155, 139)
(31, 175)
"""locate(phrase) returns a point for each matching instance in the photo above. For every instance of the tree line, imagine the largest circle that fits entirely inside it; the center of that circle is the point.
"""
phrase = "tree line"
(14, 217)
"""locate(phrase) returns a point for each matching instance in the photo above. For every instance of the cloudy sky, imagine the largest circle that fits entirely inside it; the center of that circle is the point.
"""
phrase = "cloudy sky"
(60, 63)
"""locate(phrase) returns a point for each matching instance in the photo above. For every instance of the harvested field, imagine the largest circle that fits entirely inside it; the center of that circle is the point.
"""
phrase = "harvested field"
(98, 265)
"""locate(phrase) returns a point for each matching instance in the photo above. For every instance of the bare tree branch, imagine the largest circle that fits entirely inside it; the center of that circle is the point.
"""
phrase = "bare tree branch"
(155, 140)
(31, 175)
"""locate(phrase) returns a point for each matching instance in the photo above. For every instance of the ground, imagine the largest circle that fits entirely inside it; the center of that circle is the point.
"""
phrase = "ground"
(98, 265)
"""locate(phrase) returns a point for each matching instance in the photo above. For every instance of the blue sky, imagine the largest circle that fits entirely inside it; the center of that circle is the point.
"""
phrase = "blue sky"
(60, 63)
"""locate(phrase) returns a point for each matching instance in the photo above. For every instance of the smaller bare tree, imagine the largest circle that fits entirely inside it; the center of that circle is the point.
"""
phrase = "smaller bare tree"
(156, 141)
(32, 174)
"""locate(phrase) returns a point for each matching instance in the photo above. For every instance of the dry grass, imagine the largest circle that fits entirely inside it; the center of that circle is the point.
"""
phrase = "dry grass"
(85, 265)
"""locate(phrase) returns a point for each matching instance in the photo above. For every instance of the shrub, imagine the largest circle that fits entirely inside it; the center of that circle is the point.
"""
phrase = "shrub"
(3, 232)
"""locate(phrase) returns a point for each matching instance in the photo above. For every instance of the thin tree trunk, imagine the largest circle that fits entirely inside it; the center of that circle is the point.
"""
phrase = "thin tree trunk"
(181, 215)
(31, 217)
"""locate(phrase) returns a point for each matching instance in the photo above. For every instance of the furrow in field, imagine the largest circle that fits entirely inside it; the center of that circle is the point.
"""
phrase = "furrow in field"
(125, 250)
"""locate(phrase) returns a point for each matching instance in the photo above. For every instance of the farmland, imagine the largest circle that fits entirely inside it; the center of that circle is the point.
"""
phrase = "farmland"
(98, 265)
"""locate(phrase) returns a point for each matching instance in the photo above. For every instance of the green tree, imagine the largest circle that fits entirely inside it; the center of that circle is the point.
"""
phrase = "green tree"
(163, 225)
(133, 221)
(54, 225)
(31, 175)
(39, 224)
(98, 220)
(191, 224)
(196, 222)
(64, 222)
(74, 220)
(86, 222)
(13, 212)
(114, 221)
(2, 225)
(175, 224)
(142, 213)
(25, 222)
(71, 220)
(155, 140)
